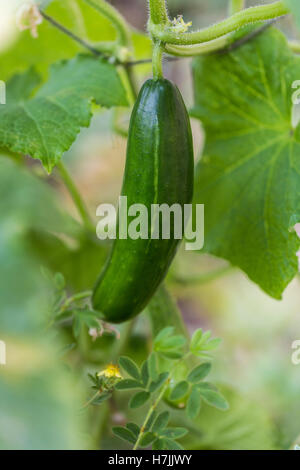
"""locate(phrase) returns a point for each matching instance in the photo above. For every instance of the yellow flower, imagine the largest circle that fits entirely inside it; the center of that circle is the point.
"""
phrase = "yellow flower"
(111, 370)
(179, 25)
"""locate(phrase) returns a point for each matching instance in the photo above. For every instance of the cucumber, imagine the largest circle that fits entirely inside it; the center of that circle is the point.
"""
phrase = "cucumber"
(159, 170)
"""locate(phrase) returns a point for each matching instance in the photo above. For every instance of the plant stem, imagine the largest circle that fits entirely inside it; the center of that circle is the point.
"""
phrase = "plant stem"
(117, 126)
(158, 11)
(199, 49)
(243, 18)
(157, 400)
(69, 33)
(123, 341)
(106, 48)
(118, 21)
(235, 6)
(90, 400)
(157, 61)
(74, 298)
(163, 311)
(77, 199)
(127, 78)
(151, 410)
(222, 45)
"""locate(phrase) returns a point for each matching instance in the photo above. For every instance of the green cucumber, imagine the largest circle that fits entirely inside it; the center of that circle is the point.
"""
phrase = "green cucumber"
(159, 170)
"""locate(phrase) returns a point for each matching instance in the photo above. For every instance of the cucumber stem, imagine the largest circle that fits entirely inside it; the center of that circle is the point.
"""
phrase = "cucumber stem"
(205, 48)
(76, 196)
(229, 25)
(118, 21)
(158, 11)
(157, 61)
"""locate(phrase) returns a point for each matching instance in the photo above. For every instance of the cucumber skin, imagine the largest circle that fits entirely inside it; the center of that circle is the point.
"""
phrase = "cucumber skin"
(159, 169)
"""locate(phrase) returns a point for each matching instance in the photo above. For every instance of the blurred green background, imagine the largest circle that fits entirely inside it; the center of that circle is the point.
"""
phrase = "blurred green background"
(39, 397)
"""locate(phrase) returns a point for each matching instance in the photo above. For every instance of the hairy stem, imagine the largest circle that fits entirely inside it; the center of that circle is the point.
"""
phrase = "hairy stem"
(157, 61)
(75, 298)
(235, 6)
(77, 199)
(158, 11)
(235, 22)
(199, 49)
(221, 45)
(91, 400)
(118, 21)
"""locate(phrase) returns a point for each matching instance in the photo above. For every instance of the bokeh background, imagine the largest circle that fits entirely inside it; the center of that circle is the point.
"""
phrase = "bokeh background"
(254, 362)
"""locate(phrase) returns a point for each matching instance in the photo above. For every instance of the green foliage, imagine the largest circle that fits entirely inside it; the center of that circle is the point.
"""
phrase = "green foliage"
(199, 372)
(249, 172)
(134, 429)
(169, 346)
(85, 317)
(174, 433)
(155, 429)
(147, 439)
(180, 390)
(159, 382)
(104, 386)
(130, 367)
(152, 366)
(139, 399)
(45, 126)
(124, 433)
(161, 422)
(81, 19)
(245, 425)
(26, 202)
(128, 384)
(295, 9)
(30, 202)
(244, 102)
(145, 373)
(194, 403)
(41, 399)
(212, 397)
(201, 344)
(79, 263)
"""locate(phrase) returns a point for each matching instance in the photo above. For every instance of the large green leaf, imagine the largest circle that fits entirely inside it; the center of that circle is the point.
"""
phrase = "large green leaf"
(45, 126)
(249, 175)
